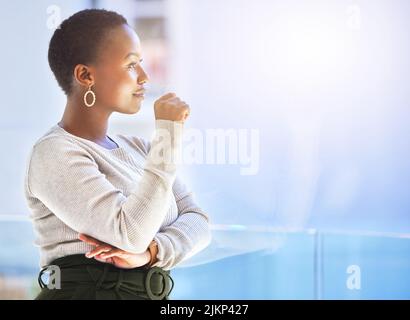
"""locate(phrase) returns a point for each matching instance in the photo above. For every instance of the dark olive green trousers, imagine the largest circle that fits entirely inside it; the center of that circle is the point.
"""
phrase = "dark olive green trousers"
(88, 279)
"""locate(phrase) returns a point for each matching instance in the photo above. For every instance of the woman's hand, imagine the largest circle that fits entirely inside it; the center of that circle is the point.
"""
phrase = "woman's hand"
(106, 253)
(171, 107)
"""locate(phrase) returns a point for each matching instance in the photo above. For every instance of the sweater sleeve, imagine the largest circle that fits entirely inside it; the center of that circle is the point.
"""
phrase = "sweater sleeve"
(69, 183)
(187, 235)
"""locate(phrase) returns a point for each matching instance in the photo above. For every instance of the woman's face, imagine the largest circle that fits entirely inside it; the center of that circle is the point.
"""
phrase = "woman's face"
(118, 73)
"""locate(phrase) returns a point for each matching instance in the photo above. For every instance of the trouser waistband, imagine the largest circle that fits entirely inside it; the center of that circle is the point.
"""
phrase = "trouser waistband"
(78, 270)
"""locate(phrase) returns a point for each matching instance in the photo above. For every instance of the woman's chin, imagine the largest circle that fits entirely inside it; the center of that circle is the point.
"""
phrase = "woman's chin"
(135, 109)
(132, 109)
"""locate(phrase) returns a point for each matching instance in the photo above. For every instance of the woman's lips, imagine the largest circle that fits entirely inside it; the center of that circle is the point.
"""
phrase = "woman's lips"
(139, 94)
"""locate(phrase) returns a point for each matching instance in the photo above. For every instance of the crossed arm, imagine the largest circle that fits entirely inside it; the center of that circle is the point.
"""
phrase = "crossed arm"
(187, 235)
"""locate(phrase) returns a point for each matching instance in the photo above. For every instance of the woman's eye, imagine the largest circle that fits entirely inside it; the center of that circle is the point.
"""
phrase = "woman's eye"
(132, 66)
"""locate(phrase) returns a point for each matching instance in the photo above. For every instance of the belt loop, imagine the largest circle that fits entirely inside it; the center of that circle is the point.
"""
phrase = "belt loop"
(119, 280)
(39, 280)
(172, 287)
(165, 290)
(102, 278)
(119, 283)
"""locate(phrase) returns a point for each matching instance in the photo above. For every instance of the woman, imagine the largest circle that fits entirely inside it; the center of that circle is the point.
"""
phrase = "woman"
(110, 214)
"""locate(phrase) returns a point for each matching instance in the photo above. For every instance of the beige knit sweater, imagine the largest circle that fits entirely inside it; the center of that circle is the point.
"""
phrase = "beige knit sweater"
(125, 196)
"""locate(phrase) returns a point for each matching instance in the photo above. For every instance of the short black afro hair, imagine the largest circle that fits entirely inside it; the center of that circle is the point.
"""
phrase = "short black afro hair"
(77, 40)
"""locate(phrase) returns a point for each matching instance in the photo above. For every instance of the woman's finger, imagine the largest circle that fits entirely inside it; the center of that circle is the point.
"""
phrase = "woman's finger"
(109, 260)
(112, 253)
(90, 240)
(98, 250)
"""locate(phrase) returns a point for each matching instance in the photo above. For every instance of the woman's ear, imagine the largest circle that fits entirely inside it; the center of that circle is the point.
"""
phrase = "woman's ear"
(83, 75)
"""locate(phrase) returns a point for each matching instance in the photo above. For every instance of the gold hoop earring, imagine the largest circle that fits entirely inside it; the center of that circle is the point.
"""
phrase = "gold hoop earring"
(89, 91)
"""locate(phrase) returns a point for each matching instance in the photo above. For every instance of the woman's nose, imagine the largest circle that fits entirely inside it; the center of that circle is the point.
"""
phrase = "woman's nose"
(142, 76)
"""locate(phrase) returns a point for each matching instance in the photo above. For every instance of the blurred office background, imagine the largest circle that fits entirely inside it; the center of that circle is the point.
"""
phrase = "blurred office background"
(324, 212)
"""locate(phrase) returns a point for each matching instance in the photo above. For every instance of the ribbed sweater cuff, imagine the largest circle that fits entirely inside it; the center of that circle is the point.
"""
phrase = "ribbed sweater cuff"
(165, 146)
